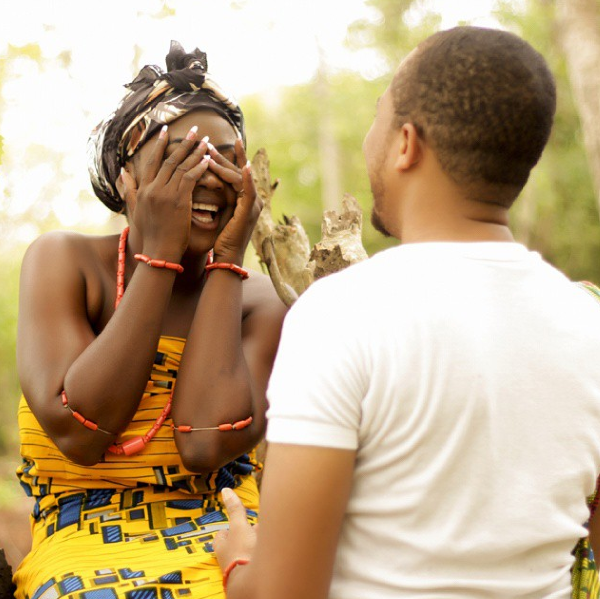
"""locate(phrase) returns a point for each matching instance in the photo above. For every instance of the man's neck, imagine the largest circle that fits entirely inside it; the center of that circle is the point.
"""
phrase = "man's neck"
(453, 218)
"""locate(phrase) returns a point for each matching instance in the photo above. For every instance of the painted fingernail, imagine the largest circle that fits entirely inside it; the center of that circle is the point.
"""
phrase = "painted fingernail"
(192, 133)
(205, 139)
(163, 132)
(206, 158)
(210, 146)
(249, 165)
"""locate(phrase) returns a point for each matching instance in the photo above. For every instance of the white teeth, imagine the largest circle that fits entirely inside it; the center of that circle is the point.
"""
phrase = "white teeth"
(203, 219)
(209, 207)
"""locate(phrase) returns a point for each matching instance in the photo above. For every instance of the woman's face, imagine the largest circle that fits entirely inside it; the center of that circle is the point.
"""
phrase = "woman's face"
(213, 200)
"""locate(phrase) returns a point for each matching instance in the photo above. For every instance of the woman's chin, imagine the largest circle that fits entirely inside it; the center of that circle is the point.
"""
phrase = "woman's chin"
(201, 241)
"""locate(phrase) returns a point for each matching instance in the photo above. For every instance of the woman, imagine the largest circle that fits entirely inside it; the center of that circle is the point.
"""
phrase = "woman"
(125, 465)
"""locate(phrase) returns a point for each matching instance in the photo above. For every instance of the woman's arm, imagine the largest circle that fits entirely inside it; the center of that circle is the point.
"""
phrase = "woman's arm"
(225, 370)
(227, 362)
(103, 376)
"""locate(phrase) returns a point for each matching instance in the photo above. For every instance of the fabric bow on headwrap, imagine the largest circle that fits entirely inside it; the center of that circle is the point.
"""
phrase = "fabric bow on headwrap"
(154, 99)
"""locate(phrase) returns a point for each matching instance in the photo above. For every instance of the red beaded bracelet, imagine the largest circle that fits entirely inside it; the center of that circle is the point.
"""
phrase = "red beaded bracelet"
(131, 446)
(158, 263)
(240, 561)
(238, 270)
(235, 426)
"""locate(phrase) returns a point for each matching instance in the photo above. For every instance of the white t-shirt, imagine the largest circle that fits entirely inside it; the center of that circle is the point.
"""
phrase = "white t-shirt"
(467, 378)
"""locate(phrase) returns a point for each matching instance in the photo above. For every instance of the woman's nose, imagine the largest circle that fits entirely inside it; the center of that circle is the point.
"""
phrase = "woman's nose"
(210, 180)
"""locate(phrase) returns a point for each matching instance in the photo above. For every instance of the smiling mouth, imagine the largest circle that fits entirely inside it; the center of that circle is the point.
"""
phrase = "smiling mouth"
(205, 213)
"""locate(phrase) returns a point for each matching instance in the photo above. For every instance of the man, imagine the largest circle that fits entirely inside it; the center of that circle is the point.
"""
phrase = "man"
(434, 418)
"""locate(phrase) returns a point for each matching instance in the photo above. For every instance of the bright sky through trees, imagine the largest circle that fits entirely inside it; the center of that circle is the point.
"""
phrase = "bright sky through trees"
(90, 49)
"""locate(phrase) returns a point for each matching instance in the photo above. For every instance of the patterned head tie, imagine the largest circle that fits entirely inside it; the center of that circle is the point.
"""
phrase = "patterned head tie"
(154, 98)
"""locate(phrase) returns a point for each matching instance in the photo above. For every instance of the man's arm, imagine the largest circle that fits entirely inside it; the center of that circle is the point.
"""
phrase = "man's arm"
(305, 490)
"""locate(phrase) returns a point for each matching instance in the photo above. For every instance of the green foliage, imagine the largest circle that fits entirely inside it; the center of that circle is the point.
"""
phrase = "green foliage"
(288, 129)
(563, 221)
(8, 372)
(393, 33)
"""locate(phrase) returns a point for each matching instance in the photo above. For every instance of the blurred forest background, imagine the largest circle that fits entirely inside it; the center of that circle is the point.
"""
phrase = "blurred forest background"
(313, 133)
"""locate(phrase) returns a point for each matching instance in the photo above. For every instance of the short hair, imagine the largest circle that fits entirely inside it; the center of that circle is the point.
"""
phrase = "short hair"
(484, 100)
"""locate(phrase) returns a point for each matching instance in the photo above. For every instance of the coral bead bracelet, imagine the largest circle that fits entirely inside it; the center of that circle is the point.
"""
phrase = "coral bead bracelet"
(235, 426)
(158, 263)
(135, 445)
(238, 270)
(240, 561)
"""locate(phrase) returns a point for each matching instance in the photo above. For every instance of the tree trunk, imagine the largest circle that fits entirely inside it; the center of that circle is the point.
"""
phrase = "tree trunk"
(579, 28)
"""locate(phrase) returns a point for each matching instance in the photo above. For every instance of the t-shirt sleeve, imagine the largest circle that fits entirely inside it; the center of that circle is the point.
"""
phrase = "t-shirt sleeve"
(318, 380)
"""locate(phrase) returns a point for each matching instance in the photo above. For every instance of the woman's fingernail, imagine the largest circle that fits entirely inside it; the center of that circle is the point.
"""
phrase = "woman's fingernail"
(249, 165)
(210, 146)
(163, 132)
(192, 133)
(205, 139)
(227, 493)
(206, 158)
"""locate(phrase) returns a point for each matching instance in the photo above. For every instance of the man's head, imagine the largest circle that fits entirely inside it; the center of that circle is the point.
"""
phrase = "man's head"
(483, 100)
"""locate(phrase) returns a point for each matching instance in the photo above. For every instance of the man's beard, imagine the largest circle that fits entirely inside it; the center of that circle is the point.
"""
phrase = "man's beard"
(378, 224)
(377, 191)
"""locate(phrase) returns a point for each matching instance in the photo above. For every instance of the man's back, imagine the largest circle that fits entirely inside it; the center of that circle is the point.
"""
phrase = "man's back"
(472, 395)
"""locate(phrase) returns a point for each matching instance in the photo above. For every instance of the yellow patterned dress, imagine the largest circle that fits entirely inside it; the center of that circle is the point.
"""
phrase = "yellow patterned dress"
(129, 527)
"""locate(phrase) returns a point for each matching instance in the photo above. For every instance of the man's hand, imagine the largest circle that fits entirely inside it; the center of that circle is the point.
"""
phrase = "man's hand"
(238, 542)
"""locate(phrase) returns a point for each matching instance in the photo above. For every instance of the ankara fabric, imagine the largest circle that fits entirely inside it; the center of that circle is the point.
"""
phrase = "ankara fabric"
(134, 527)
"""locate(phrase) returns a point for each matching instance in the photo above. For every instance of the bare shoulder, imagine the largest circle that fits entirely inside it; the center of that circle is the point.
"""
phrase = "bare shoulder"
(69, 267)
(264, 311)
(260, 295)
(75, 248)
(72, 249)
(263, 315)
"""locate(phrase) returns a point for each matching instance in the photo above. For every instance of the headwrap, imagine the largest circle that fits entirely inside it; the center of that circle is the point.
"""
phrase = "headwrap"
(154, 99)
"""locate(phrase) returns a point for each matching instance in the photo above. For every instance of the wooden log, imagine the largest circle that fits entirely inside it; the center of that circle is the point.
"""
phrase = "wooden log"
(341, 242)
(284, 248)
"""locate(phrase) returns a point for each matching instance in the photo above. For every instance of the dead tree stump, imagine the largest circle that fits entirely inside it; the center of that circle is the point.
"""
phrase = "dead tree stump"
(285, 249)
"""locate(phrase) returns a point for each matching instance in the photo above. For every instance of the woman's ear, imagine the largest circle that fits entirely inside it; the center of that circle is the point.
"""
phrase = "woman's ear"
(409, 148)
(126, 185)
(120, 185)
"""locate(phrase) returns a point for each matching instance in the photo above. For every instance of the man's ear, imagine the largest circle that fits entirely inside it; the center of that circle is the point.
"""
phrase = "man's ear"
(409, 148)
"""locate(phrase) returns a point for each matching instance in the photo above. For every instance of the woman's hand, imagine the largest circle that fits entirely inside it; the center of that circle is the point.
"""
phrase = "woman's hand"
(161, 208)
(231, 243)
